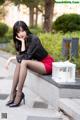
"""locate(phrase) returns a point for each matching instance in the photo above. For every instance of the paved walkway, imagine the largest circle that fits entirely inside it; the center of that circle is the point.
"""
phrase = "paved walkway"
(5, 86)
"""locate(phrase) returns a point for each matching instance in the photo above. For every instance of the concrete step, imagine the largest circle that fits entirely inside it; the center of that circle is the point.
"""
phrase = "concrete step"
(27, 112)
(42, 114)
(32, 99)
(71, 107)
(24, 113)
(35, 111)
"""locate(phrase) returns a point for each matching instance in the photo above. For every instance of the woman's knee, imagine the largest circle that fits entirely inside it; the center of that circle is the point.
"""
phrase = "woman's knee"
(18, 64)
(24, 63)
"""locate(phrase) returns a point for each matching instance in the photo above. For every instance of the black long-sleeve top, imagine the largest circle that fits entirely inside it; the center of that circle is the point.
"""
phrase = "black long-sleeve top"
(34, 50)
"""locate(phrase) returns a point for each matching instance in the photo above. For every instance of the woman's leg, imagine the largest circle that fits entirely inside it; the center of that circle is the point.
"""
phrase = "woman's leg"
(15, 80)
(33, 65)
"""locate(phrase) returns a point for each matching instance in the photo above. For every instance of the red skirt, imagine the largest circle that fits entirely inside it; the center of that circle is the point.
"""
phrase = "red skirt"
(47, 61)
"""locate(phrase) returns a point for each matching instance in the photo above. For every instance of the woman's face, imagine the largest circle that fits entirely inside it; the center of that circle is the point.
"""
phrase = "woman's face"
(22, 34)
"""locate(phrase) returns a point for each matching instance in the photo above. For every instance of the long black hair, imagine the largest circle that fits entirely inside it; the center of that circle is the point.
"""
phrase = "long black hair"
(16, 29)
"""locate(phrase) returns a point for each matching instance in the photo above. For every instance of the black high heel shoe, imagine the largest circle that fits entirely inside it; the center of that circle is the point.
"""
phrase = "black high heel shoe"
(17, 104)
(11, 101)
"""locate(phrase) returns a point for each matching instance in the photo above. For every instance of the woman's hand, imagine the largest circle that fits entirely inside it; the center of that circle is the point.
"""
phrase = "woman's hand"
(23, 43)
(8, 61)
(6, 66)
(20, 39)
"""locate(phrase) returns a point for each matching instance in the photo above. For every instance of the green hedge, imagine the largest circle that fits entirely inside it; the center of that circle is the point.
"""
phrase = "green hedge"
(3, 29)
(67, 22)
(53, 44)
(36, 30)
(7, 36)
(2, 1)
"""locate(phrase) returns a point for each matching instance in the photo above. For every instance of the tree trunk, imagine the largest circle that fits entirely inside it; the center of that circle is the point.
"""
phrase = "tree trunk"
(49, 6)
(31, 10)
(36, 16)
(2, 13)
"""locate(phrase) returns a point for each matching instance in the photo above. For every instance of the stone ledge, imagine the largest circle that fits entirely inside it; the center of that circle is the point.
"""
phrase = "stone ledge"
(71, 85)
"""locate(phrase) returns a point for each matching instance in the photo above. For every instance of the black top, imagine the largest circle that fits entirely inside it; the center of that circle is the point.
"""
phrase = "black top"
(34, 50)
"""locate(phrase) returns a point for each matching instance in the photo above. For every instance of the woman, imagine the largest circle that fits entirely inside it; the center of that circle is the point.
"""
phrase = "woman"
(30, 54)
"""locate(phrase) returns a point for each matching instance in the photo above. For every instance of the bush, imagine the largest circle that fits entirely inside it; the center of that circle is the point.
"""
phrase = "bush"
(7, 37)
(67, 22)
(2, 1)
(36, 30)
(9, 34)
(3, 29)
(53, 44)
(10, 47)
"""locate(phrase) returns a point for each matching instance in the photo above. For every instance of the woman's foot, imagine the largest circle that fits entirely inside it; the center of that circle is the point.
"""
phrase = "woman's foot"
(18, 100)
(12, 98)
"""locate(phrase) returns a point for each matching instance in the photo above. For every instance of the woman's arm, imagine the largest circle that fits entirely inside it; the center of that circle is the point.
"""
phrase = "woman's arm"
(22, 43)
(23, 46)
(9, 60)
